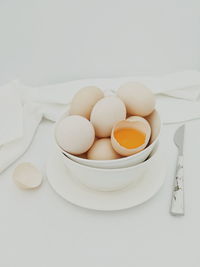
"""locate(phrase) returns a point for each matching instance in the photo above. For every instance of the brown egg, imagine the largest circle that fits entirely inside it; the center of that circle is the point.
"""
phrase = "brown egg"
(138, 99)
(102, 150)
(106, 113)
(155, 124)
(75, 134)
(84, 100)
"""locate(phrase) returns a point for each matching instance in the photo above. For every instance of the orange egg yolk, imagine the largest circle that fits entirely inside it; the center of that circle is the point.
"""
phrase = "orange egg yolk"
(129, 138)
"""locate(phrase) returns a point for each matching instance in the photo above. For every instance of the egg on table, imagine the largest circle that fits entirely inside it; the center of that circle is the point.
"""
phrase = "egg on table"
(102, 150)
(106, 113)
(84, 100)
(75, 134)
(138, 99)
(130, 136)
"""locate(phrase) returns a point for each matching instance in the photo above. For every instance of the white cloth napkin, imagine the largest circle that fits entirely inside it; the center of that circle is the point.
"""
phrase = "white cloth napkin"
(10, 113)
(23, 107)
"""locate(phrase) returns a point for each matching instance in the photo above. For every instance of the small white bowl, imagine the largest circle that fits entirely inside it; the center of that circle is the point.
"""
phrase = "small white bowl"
(155, 123)
(110, 179)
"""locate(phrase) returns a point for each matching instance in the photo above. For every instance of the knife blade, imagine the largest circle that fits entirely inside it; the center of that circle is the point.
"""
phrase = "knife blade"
(177, 203)
(179, 139)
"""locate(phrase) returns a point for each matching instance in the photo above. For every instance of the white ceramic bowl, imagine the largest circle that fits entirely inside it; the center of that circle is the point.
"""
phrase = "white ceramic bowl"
(135, 159)
(110, 179)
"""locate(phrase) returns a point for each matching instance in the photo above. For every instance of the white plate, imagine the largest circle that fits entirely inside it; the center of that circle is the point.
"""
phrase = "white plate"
(80, 195)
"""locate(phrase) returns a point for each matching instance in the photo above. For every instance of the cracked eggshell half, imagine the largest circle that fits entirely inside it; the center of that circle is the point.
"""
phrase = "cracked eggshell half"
(27, 176)
(133, 122)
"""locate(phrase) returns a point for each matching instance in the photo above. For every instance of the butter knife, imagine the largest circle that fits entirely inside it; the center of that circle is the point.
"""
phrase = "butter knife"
(177, 203)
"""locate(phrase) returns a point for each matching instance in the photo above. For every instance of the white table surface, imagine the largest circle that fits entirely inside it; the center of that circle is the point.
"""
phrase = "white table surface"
(38, 228)
(53, 41)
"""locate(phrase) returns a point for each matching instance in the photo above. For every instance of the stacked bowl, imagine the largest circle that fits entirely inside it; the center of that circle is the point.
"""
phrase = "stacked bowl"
(109, 142)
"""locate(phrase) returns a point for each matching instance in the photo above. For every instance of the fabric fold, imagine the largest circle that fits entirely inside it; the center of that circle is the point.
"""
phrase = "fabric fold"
(11, 113)
(11, 151)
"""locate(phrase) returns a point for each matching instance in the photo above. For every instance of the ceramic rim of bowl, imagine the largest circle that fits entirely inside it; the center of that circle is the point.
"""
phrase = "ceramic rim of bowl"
(105, 161)
(152, 155)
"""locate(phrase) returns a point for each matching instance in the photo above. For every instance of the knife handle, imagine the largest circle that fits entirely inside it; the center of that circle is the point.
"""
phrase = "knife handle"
(177, 204)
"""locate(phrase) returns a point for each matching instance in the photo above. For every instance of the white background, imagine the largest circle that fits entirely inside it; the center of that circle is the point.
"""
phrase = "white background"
(45, 41)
